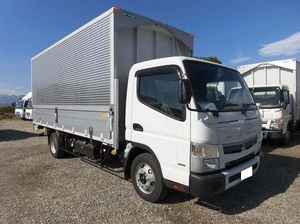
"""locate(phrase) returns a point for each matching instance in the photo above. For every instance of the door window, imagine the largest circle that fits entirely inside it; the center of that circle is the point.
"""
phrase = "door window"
(158, 89)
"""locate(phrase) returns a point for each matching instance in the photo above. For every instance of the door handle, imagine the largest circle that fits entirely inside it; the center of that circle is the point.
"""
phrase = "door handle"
(137, 127)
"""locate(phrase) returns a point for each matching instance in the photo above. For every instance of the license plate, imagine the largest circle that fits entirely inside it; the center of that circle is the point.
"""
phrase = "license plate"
(246, 173)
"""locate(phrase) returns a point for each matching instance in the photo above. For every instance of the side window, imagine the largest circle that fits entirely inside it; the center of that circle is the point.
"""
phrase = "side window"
(159, 90)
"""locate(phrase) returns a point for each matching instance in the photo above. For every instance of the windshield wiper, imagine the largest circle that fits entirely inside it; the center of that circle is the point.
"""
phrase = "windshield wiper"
(227, 105)
(246, 106)
(214, 112)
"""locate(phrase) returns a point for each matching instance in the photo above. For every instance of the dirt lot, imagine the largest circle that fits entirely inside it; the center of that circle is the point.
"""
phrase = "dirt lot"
(36, 188)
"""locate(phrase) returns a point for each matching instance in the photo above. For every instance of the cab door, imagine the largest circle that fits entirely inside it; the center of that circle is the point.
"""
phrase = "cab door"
(160, 123)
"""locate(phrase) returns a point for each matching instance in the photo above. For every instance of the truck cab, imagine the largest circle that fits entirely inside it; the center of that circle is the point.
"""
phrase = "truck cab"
(28, 110)
(19, 109)
(204, 144)
(276, 111)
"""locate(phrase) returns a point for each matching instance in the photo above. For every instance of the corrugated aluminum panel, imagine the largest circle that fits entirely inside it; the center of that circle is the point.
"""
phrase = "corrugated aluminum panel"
(76, 71)
(273, 75)
(75, 77)
(259, 76)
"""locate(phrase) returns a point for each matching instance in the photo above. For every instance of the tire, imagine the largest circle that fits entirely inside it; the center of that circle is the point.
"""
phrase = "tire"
(55, 144)
(147, 178)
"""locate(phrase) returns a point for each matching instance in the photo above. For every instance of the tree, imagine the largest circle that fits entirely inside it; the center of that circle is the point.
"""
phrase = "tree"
(210, 58)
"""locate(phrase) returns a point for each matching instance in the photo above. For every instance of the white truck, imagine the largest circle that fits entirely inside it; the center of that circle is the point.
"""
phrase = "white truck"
(21, 105)
(28, 110)
(119, 89)
(275, 86)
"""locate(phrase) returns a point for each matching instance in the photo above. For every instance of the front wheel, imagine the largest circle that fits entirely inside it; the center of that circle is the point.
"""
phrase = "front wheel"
(147, 178)
(55, 143)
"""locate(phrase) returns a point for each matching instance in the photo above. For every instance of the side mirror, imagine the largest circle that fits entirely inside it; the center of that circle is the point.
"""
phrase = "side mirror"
(284, 97)
(283, 105)
(185, 91)
(287, 100)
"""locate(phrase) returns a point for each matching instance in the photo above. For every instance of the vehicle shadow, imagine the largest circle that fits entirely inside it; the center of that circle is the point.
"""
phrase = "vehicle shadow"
(11, 135)
(275, 176)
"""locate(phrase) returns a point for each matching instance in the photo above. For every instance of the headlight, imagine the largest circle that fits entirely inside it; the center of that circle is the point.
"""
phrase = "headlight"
(204, 158)
(210, 164)
(205, 151)
(276, 124)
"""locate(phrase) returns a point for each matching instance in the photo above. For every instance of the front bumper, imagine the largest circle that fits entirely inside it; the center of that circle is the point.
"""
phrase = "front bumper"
(28, 116)
(205, 186)
(272, 134)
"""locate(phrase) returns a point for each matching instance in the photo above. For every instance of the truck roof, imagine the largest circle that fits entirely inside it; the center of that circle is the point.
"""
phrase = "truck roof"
(168, 60)
(286, 63)
(134, 20)
(28, 96)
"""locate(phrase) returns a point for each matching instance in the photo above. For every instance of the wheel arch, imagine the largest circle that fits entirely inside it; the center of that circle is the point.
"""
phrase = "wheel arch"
(136, 150)
(49, 133)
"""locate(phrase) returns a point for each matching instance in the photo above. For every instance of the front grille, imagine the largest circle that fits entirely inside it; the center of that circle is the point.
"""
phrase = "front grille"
(238, 162)
(236, 148)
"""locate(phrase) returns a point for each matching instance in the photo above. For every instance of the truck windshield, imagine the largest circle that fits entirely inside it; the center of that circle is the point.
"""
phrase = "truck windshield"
(217, 88)
(29, 105)
(19, 104)
(267, 97)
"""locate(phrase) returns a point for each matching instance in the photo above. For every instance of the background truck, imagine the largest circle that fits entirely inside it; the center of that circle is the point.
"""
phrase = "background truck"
(275, 85)
(21, 105)
(28, 110)
(111, 93)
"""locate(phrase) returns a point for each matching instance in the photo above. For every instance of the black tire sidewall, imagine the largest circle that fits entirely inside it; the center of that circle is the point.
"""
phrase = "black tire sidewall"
(57, 142)
(159, 190)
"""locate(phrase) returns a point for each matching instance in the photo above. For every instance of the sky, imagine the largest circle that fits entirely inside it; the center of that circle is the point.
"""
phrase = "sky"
(237, 32)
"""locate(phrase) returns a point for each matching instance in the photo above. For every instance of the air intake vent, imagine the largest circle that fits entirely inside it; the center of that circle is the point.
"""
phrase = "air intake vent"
(236, 148)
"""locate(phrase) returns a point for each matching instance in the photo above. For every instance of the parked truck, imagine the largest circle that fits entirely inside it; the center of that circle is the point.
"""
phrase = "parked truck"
(21, 106)
(28, 110)
(275, 86)
(124, 88)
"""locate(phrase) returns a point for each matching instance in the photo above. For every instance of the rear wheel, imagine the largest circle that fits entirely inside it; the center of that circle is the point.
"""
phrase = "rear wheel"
(147, 178)
(55, 143)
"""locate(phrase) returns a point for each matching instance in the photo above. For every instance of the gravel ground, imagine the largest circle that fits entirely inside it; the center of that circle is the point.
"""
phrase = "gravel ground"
(36, 188)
